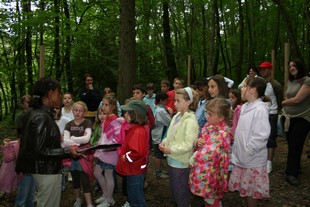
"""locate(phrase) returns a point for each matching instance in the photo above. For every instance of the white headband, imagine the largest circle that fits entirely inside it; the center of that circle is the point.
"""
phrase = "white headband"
(190, 93)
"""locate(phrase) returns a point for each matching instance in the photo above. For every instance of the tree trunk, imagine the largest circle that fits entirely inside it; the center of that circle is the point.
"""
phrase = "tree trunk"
(241, 43)
(290, 30)
(249, 21)
(67, 56)
(127, 53)
(212, 38)
(26, 5)
(57, 40)
(169, 53)
(204, 41)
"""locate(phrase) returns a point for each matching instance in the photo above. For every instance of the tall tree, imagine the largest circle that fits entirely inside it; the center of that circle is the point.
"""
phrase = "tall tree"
(127, 53)
(169, 53)
(27, 13)
(295, 51)
(57, 40)
(66, 59)
(241, 40)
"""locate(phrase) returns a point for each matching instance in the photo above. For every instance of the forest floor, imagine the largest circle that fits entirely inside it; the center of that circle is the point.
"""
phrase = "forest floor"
(157, 193)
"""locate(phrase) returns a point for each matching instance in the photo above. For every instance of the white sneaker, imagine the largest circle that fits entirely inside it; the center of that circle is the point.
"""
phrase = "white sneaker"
(101, 199)
(69, 177)
(269, 166)
(78, 203)
(126, 204)
(106, 204)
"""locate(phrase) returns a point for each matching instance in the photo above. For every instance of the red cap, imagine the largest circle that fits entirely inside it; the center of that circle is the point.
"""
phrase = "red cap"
(265, 65)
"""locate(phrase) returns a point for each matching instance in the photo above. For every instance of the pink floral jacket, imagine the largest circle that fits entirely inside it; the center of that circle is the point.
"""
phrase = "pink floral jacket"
(209, 164)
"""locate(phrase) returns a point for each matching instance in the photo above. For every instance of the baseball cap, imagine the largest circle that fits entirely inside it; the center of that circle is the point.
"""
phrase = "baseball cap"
(135, 105)
(265, 65)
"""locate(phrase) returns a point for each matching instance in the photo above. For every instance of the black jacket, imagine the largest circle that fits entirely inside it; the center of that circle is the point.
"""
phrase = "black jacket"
(91, 98)
(40, 151)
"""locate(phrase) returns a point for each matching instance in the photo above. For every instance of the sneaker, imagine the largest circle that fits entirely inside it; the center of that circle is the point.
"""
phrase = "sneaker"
(101, 199)
(69, 177)
(162, 176)
(126, 204)
(106, 203)
(269, 166)
(78, 203)
(165, 172)
(292, 180)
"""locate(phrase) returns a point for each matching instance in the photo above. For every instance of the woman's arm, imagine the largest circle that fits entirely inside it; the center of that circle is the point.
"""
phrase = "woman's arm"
(303, 93)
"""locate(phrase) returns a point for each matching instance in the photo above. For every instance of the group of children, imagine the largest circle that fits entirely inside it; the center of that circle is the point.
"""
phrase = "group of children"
(198, 147)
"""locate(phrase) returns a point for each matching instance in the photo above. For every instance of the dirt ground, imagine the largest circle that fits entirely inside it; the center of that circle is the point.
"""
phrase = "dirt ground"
(158, 195)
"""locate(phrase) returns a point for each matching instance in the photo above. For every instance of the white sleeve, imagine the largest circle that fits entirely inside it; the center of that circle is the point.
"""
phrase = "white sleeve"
(229, 82)
(67, 141)
(82, 139)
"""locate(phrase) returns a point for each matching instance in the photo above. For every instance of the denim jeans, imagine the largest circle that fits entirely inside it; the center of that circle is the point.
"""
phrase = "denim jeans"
(25, 191)
(135, 191)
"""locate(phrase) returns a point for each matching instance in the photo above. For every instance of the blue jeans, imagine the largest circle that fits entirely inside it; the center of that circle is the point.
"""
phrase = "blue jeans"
(25, 191)
(135, 191)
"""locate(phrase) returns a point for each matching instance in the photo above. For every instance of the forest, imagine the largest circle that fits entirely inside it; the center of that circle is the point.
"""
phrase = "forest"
(122, 42)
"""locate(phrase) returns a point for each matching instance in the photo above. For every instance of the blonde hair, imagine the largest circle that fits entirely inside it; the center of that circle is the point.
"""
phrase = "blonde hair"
(81, 103)
(219, 106)
(182, 92)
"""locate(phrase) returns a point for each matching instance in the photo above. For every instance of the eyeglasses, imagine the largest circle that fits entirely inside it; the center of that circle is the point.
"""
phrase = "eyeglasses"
(77, 110)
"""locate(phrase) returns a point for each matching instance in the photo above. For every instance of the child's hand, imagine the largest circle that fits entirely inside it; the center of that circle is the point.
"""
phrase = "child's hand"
(200, 142)
(164, 149)
(161, 146)
(124, 158)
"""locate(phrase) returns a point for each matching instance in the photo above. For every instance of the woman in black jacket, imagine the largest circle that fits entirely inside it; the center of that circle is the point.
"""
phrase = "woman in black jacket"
(40, 151)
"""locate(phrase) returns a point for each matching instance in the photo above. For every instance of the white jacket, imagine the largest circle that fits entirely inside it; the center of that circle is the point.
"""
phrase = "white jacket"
(251, 136)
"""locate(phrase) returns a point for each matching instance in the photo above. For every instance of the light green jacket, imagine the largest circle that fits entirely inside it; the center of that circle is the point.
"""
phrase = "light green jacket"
(180, 138)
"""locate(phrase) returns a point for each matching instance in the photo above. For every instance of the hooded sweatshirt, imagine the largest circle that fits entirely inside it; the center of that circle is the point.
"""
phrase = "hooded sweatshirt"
(251, 135)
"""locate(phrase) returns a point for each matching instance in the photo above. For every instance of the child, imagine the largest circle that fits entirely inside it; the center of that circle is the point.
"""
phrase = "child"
(162, 121)
(235, 99)
(202, 90)
(61, 122)
(249, 176)
(164, 86)
(97, 128)
(106, 160)
(132, 162)
(182, 133)
(8, 179)
(177, 84)
(68, 103)
(209, 164)
(138, 93)
(78, 133)
(217, 87)
(149, 98)
(108, 92)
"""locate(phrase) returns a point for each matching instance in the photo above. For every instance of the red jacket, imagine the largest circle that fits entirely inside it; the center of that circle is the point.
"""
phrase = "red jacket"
(135, 148)
(170, 103)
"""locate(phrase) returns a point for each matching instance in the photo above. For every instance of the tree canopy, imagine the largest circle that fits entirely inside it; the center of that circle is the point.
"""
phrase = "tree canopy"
(122, 42)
